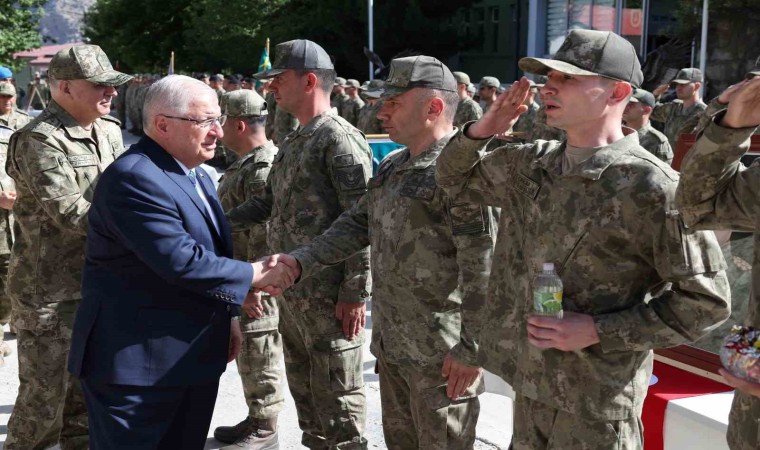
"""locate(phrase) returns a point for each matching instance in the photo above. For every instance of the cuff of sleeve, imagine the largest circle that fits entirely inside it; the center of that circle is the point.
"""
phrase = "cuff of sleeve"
(309, 264)
(353, 295)
(465, 353)
(723, 135)
(466, 128)
(608, 327)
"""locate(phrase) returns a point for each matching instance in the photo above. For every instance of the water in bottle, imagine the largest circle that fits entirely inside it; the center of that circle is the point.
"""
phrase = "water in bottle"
(547, 293)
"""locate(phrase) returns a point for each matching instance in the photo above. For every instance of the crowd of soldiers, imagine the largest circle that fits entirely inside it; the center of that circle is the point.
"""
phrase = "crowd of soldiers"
(445, 239)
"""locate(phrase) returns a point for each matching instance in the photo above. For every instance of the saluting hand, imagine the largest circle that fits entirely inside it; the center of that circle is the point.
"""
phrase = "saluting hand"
(744, 106)
(503, 113)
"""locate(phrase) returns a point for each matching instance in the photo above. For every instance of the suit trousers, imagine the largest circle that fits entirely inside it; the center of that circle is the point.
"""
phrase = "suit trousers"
(149, 417)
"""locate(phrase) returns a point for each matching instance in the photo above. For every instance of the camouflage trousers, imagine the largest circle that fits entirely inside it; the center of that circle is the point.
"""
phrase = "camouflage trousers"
(744, 423)
(50, 407)
(259, 362)
(5, 301)
(540, 427)
(324, 372)
(417, 414)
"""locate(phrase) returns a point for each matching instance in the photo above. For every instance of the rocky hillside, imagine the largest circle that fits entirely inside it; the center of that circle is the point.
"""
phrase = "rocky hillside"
(62, 21)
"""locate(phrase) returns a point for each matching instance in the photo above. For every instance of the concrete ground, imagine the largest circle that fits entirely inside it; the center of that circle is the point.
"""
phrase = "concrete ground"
(493, 430)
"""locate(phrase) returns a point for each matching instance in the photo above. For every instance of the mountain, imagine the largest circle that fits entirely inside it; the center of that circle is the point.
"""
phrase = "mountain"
(63, 21)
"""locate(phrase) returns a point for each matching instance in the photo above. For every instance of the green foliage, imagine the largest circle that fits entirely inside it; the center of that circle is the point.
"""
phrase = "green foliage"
(214, 35)
(19, 28)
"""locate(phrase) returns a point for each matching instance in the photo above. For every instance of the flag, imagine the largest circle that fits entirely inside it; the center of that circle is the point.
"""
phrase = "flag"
(264, 63)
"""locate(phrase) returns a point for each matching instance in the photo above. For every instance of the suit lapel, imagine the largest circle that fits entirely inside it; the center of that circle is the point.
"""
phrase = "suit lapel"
(225, 232)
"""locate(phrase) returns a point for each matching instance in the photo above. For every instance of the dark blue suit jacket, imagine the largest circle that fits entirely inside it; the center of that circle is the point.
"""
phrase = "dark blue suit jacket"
(159, 284)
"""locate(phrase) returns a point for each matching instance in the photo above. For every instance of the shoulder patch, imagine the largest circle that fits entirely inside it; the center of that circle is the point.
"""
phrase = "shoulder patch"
(350, 178)
(343, 160)
(468, 219)
(420, 184)
(45, 128)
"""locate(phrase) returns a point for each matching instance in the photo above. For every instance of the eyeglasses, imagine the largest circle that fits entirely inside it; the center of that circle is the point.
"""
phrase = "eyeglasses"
(205, 123)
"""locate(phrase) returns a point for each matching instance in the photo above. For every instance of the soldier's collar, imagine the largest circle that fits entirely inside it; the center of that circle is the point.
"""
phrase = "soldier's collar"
(592, 168)
(72, 127)
(429, 156)
(313, 125)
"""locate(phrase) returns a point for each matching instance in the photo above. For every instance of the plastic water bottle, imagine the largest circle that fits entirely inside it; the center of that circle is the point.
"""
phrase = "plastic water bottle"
(547, 293)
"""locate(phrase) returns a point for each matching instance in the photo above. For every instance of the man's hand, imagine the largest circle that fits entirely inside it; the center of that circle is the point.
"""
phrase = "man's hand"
(744, 106)
(725, 96)
(743, 385)
(7, 199)
(661, 89)
(353, 316)
(572, 332)
(236, 340)
(503, 113)
(252, 305)
(275, 273)
(460, 376)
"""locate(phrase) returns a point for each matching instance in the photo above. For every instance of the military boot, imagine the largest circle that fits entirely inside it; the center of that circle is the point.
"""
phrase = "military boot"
(253, 434)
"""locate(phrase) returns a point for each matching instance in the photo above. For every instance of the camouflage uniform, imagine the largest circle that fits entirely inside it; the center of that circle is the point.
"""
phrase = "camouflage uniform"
(526, 120)
(467, 110)
(13, 121)
(319, 172)
(718, 192)
(542, 131)
(350, 110)
(368, 122)
(55, 164)
(610, 227)
(655, 143)
(337, 102)
(431, 257)
(676, 119)
(259, 359)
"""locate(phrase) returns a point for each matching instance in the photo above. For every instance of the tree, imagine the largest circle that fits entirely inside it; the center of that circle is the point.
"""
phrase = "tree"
(19, 28)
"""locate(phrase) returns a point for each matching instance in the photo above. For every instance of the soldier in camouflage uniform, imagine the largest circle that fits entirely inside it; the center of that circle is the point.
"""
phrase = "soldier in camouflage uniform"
(487, 89)
(338, 95)
(728, 201)
(431, 257)
(368, 122)
(320, 171)
(259, 358)
(601, 208)
(467, 109)
(55, 162)
(11, 119)
(353, 104)
(216, 82)
(681, 115)
(636, 116)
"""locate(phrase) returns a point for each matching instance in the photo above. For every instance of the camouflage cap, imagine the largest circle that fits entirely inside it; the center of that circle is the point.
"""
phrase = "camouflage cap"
(591, 52)
(85, 62)
(7, 88)
(340, 81)
(461, 77)
(471, 88)
(297, 54)
(373, 85)
(690, 75)
(643, 97)
(215, 78)
(352, 83)
(243, 103)
(491, 82)
(415, 72)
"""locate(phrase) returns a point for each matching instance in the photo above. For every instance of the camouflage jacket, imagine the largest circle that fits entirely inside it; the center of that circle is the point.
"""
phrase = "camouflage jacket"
(15, 120)
(320, 171)
(655, 143)
(717, 192)
(526, 120)
(337, 102)
(610, 227)
(431, 257)
(368, 122)
(467, 110)
(676, 119)
(246, 178)
(55, 164)
(351, 108)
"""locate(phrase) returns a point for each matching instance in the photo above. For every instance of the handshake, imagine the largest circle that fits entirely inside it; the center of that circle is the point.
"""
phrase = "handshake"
(275, 273)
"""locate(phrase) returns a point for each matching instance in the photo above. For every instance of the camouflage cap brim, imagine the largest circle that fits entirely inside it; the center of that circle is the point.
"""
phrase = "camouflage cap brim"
(387, 91)
(681, 82)
(542, 66)
(271, 73)
(633, 100)
(110, 78)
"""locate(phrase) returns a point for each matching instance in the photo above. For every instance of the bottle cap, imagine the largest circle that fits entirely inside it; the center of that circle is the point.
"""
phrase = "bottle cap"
(548, 267)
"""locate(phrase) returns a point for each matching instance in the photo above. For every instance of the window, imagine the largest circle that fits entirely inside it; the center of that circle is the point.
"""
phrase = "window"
(494, 15)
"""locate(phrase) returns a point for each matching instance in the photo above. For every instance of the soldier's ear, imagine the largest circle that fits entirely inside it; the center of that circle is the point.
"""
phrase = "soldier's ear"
(436, 106)
(311, 81)
(621, 92)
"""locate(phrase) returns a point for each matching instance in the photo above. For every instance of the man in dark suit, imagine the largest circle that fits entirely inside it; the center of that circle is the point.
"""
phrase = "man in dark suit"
(160, 292)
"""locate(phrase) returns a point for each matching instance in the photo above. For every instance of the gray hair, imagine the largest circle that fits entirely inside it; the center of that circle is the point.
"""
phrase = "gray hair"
(172, 94)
